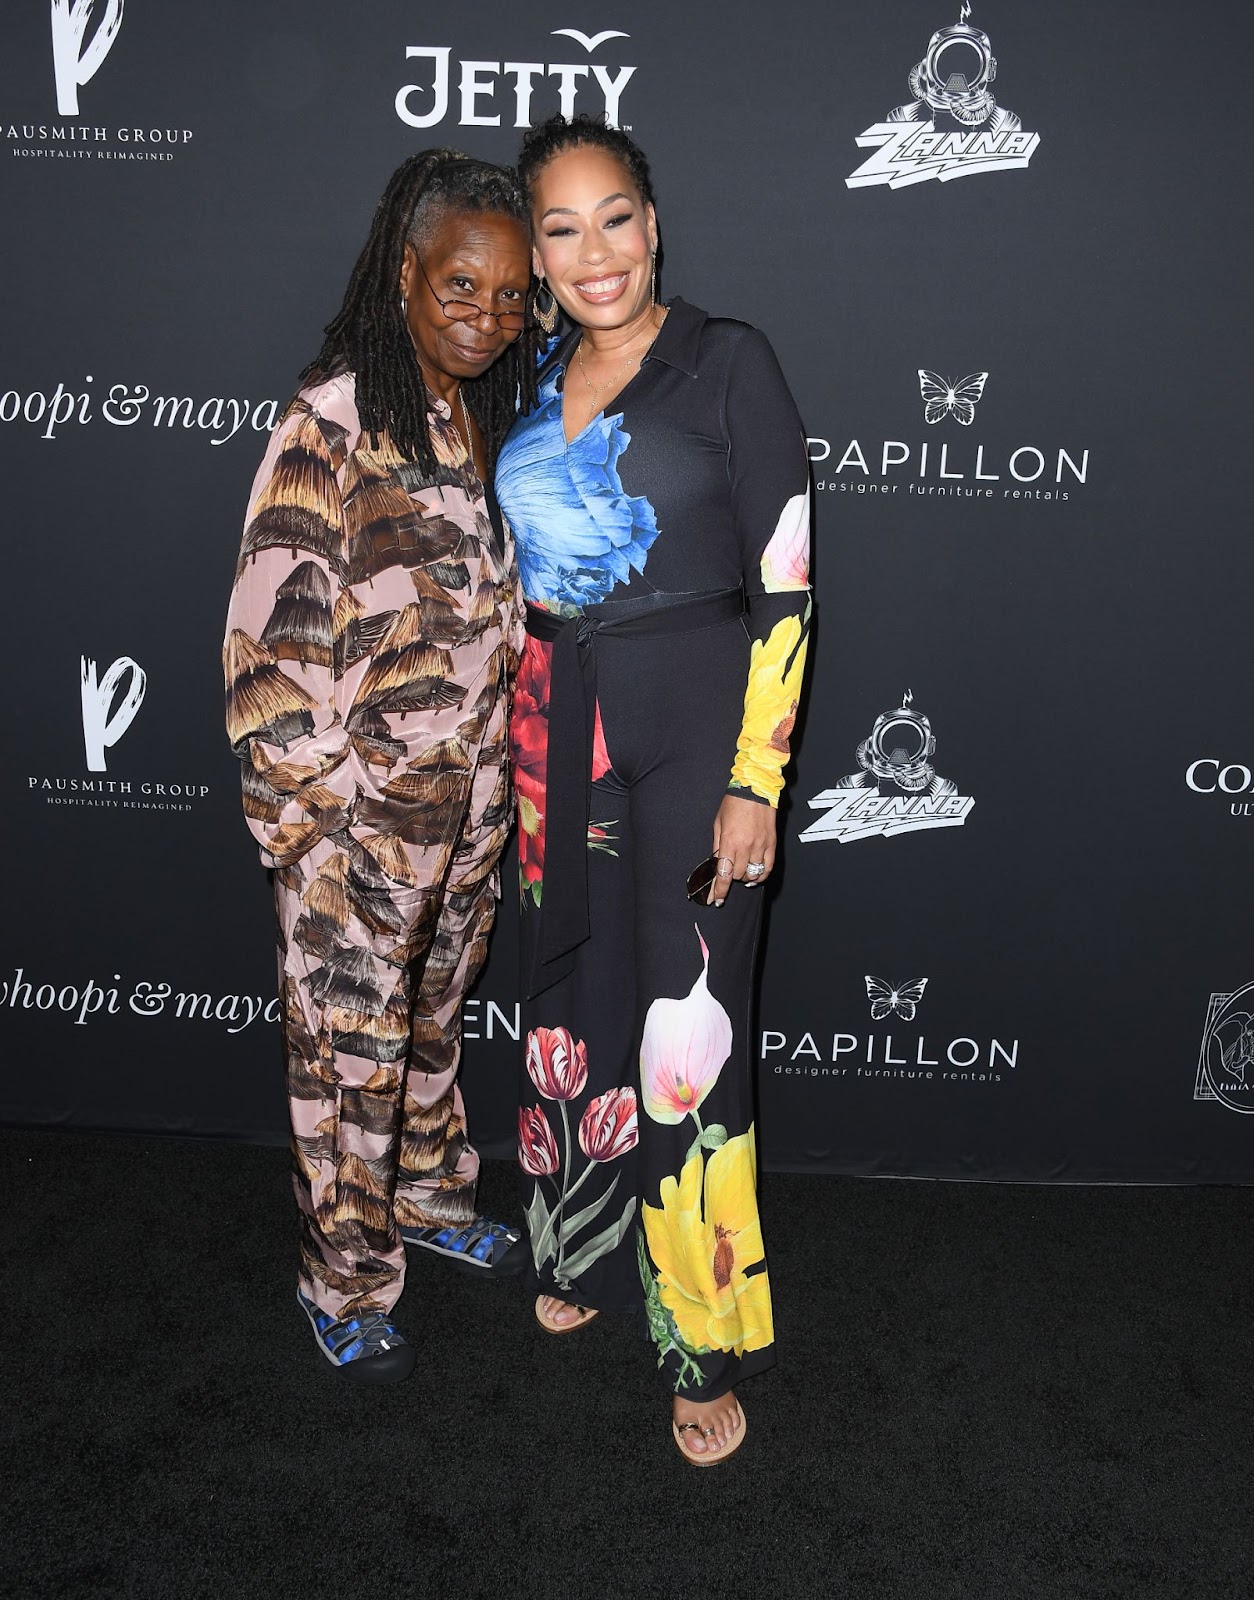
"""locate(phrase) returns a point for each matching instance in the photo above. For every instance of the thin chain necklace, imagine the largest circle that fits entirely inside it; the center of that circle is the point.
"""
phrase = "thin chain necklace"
(609, 382)
(470, 438)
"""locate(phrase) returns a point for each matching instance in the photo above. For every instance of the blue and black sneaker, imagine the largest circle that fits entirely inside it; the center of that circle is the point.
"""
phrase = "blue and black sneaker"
(367, 1349)
(488, 1248)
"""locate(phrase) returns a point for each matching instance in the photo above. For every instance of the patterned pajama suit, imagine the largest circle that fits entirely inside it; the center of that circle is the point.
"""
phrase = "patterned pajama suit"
(371, 641)
(663, 553)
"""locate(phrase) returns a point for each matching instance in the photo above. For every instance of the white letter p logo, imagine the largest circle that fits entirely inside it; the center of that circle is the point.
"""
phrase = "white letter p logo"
(73, 64)
(100, 730)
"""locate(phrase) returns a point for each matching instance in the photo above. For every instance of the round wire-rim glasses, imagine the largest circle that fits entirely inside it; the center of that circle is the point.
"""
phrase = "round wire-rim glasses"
(465, 311)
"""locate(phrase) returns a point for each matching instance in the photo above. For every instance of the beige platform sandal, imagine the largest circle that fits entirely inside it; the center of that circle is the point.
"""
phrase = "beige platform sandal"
(586, 1314)
(709, 1458)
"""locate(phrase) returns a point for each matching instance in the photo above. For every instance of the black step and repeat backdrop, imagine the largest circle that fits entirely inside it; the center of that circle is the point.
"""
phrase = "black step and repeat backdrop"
(1003, 254)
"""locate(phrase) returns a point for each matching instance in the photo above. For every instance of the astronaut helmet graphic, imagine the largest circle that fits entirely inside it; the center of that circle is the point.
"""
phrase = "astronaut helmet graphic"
(899, 753)
(954, 80)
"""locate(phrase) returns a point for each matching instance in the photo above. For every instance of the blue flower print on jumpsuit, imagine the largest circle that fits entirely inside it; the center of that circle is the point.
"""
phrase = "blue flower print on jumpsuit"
(576, 530)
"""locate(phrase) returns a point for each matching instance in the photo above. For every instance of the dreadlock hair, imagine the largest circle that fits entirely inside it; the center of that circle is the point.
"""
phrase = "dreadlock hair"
(548, 139)
(370, 337)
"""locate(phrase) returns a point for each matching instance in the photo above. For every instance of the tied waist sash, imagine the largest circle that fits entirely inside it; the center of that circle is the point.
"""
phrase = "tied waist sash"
(564, 924)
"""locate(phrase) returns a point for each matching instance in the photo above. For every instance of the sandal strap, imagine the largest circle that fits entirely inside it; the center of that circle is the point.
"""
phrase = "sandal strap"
(584, 1313)
(481, 1238)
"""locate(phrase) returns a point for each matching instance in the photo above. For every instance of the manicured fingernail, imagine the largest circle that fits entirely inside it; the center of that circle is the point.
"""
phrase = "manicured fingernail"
(718, 902)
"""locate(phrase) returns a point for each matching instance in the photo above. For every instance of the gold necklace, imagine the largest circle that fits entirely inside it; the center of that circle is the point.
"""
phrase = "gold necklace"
(470, 438)
(610, 381)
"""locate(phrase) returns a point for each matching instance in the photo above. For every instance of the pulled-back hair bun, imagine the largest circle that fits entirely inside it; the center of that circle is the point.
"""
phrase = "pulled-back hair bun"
(550, 138)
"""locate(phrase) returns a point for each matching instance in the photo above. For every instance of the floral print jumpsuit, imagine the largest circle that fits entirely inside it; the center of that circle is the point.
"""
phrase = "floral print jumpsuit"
(672, 536)
(371, 639)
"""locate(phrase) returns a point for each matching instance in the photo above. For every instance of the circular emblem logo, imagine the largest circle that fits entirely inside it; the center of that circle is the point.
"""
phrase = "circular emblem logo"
(1228, 1051)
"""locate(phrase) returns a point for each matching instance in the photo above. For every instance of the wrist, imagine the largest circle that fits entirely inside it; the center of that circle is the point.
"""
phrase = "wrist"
(739, 791)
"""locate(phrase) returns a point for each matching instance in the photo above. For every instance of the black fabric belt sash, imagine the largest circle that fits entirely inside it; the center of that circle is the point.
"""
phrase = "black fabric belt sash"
(572, 712)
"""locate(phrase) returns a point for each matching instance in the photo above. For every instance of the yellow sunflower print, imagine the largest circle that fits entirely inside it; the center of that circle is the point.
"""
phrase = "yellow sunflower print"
(701, 1253)
(771, 697)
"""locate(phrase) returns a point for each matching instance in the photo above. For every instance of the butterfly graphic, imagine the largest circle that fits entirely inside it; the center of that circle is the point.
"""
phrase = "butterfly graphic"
(945, 398)
(887, 998)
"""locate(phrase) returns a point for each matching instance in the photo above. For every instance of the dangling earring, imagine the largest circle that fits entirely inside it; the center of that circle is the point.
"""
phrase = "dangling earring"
(548, 317)
(653, 283)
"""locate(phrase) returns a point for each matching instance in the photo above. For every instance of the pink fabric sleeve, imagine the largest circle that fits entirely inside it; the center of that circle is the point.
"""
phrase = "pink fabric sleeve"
(282, 681)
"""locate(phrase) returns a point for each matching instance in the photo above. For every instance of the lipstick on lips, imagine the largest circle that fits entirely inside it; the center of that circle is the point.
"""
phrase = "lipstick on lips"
(602, 291)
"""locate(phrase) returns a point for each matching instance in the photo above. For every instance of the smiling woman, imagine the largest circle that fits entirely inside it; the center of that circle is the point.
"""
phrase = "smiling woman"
(371, 644)
(658, 492)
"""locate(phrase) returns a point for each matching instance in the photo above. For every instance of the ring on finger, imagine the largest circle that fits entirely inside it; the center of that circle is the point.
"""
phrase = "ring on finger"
(725, 865)
(755, 869)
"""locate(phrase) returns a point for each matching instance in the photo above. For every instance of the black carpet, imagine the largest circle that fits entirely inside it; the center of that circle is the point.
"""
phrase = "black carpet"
(983, 1393)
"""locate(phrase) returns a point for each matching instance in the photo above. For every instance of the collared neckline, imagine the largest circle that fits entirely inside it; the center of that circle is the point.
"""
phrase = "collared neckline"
(676, 345)
(679, 337)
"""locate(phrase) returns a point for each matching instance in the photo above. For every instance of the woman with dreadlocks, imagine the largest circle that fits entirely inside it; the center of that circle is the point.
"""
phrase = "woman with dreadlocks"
(371, 641)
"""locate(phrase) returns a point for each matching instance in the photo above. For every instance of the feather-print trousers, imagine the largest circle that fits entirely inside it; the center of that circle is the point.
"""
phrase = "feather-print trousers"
(373, 974)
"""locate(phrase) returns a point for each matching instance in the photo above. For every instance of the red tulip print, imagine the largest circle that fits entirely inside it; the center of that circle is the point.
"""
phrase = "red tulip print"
(537, 1148)
(571, 1238)
(557, 1063)
(608, 1127)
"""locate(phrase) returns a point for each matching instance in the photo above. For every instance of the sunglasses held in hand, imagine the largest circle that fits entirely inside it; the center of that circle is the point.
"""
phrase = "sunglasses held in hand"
(700, 879)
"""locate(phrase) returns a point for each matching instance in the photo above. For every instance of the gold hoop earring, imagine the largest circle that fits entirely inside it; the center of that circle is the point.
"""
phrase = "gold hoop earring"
(548, 317)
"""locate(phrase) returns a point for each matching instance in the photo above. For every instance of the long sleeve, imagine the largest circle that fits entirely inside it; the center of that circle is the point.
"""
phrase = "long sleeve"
(770, 488)
(516, 631)
(279, 657)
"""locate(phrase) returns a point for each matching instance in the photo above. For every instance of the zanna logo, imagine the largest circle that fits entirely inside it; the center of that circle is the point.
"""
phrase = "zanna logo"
(423, 105)
(1225, 1066)
(75, 58)
(897, 790)
(951, 127)
(107, 712)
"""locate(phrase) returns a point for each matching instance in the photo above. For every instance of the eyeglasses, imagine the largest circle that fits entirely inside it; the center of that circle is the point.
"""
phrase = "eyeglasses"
(464, 311)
